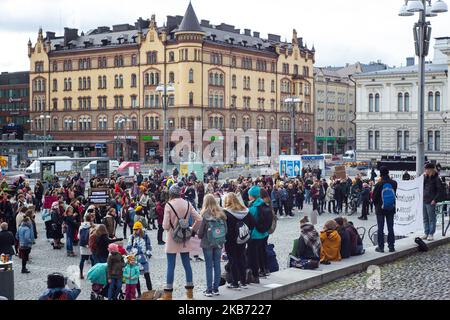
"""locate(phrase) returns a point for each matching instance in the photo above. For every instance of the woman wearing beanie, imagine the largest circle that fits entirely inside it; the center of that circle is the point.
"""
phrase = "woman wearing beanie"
(178, 210)
(256, 246)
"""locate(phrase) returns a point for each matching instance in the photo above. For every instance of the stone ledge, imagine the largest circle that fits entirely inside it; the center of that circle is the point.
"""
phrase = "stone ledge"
(293, 281)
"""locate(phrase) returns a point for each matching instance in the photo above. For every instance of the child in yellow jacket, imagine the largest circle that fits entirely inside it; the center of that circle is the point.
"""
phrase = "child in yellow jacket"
(331, 243)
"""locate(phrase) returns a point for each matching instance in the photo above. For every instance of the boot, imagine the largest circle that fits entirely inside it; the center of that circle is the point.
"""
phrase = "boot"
(189, 292)
(167, 295)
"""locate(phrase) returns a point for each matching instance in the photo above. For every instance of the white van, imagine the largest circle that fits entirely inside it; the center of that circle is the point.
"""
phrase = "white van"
(113, 166)
(60, 165)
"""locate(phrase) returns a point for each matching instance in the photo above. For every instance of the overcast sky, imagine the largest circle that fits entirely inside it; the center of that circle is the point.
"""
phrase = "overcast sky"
(341, 30)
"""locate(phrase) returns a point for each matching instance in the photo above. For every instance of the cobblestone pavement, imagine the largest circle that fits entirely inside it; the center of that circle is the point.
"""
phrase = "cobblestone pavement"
(422, 276)
(46, 260)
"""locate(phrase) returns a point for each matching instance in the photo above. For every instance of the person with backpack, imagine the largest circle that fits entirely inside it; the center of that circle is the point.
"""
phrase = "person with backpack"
(239, 226)
(58, 288)
(384, 199)
(212, 232)
(257, 245)
(433, 192)
(177, 214)
(140, 246)
(83, 234)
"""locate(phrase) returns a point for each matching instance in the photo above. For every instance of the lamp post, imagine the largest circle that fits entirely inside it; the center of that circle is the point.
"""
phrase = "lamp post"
(45, 117)
(163, 90)
(422, 37)
(292, 101)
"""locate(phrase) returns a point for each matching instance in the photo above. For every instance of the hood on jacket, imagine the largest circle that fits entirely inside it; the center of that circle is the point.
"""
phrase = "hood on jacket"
(240, 215)
(85, 225)
(258, 202)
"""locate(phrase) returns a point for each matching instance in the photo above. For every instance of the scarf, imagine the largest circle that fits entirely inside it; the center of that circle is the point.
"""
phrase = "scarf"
(311, 238)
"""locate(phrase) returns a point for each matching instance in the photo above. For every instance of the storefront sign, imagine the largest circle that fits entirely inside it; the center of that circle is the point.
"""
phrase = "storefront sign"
(150, 138)
(125, 137)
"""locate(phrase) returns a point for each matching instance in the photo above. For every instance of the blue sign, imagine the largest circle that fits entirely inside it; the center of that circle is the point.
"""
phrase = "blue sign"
(99, 146)
(290, 169)
(312, 157)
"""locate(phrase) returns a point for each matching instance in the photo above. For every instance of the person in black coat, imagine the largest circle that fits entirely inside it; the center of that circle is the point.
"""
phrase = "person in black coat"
(39, 194)
(102, 243)
(236, 213)
(6, 240)
(384, 214)
(339, 195)
(346, 244)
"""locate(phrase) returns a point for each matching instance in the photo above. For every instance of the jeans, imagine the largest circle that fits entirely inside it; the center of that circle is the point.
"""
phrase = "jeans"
(307, 196)
(212, 264)
(236, 257)
(83, 259)
(114, 288)
(69, 243)
(390, 227)
(171, 260)
(429, 219)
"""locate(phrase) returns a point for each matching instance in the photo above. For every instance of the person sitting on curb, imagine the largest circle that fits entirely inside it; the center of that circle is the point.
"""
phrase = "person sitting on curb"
(308, 247)
(331, 243)
(346, 245)
(355, 239)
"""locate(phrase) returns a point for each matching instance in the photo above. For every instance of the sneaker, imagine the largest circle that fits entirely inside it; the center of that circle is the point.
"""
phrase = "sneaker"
(424, 237)
(244, 286)
(198, 259)
(430, 238)
(233, 287)
(207, 294)
(216, 293)
(25, 271)
(161, 243)
(377, 249)
(292, 215)
(391, 250)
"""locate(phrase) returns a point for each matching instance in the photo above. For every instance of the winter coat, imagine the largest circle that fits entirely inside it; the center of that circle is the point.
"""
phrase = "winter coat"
(275, 198)
(331, 246)
(61, 294)
(170, 219)
(432, 189)
(203, 231)
(85, 251)
(330, 194)
(233, 217)
(346, 243)
(304, 249)
(102, 244)
(355, 239)
(159, 213)
(110, 224)
(365, 195)
(25, 235)
(377, 196)
(6, 242)
(131, 273)
(115, 266)
(254, 211)
(141, 247)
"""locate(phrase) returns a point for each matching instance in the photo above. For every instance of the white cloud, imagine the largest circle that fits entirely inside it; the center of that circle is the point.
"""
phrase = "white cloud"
(342, 31)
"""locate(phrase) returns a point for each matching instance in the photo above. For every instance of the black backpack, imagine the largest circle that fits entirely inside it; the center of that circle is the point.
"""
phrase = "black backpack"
(264, 219)
(422, 245)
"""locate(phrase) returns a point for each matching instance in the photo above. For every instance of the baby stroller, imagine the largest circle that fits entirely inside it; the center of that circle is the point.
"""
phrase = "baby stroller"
(98, 277)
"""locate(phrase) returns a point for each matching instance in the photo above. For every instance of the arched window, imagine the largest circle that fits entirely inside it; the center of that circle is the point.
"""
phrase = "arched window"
(406, 104)
(331, 132)
(152, 79)
(221, 80)
(320, 132)
(134, 123)
(133, 80)
(191, 76)
(350, 133)
(171, 77)
(437, 101)
(191, 98)
(341, 132)
(211, 79)
(430, 101)
(233, 122)
(377, 102)
(400, 102)
(371, 102)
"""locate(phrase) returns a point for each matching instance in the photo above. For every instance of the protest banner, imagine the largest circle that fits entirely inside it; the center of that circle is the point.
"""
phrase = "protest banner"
(408, 218)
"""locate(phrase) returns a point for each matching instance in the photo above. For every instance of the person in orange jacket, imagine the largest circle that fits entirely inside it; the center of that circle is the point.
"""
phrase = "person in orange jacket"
(331, 243)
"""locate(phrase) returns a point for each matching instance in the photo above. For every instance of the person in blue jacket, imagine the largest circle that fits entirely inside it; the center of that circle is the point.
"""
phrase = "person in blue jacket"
(25, 236)
(256, 245)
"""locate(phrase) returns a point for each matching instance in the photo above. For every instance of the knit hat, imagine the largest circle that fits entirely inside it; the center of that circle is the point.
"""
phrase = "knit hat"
(430, 166)
(121, 250)
(384, 171)
(137, 226)
(303, 221)
(138, 209)
(113, 248)
(175, 190)
(55, 204)
(255, 192)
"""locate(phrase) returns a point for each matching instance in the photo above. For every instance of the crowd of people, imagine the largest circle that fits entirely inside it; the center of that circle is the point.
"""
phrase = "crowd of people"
(229, 221)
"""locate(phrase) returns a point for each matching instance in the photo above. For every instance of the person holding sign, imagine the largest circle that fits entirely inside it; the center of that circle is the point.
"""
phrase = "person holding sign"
(384, 199)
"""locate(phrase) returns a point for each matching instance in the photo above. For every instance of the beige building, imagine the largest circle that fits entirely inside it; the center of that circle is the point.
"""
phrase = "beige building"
(222, 78)
(336, 106)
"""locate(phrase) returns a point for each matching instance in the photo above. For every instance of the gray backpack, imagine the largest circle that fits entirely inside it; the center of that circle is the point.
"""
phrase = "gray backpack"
(182, 232)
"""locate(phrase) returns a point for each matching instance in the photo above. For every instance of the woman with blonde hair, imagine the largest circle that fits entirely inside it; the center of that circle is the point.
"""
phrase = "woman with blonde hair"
(239, 225)
(212, 233)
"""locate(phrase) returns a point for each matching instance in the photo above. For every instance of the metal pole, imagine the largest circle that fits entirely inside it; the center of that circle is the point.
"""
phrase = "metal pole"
(421, 28)
(125, 144)
(292, 128)
(45, 135)
(165, 155)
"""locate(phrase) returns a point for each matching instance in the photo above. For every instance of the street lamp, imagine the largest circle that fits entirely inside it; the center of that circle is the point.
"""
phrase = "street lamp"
(292, 101)
(422, 36)
(45, 117)
(163, 90)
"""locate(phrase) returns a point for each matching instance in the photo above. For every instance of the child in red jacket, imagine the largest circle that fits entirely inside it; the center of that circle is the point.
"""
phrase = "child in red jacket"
(160, 215)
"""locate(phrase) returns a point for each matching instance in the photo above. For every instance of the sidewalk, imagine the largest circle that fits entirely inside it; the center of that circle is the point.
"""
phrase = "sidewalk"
(292, 281)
